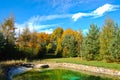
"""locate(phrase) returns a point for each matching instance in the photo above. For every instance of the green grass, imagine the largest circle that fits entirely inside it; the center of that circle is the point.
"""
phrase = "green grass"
(56, 74)
(104, 64)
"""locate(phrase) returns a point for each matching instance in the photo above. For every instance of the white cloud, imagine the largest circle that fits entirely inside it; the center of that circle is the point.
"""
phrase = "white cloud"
(49, 17)
(34, 23)
(75, 17)
(48, 28)
(49, 31)
(105, 8)
(96, 13)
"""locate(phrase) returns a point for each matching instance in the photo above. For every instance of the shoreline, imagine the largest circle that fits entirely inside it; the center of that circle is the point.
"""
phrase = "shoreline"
(71, 66)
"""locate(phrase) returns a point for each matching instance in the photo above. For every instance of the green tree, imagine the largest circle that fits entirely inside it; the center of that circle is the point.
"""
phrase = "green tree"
(91, 43)
(25, 37)
(7, 29)
(49, 47)
(2, 46)
(114, 47)
(79, 39)
(69, 46)
(106, 36)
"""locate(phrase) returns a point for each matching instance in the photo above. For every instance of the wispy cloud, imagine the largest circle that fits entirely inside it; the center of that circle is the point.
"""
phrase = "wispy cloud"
(96, 13)
(49, 17)
(48, 28)
(34, 23)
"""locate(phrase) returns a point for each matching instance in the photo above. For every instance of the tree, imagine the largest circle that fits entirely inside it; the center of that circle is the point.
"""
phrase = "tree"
(69, 46)
(79, 39)
(114, 47)
(91, 44)
(43, 41)
(106, 36)
(33, 41)
(25, 38)
(57, 33)
(49, 47)
(2, 46)
(55, 38)
(59, 48)
(7, 29)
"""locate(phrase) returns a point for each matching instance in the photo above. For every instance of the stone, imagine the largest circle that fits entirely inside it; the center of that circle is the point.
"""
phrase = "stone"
(28, 65)
(45, 66)
(41, 66)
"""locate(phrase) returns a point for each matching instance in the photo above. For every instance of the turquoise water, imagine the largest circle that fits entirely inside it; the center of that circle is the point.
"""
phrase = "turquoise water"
(58, 74)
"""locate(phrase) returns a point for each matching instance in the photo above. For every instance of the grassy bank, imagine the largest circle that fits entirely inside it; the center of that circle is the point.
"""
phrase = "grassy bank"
(104, 64)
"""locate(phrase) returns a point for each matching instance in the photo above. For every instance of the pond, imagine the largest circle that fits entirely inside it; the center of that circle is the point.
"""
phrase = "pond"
(57, 74)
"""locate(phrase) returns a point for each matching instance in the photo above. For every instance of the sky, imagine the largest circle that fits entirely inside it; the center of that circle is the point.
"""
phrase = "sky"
(46, 15)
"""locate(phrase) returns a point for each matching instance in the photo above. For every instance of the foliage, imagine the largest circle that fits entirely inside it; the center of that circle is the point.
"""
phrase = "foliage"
(97, 44)
(115, 45)
(69, 43)
(91, 43)
(7, 41)
(106, 37)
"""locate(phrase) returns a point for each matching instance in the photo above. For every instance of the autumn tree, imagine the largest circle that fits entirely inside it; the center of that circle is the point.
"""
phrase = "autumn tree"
(25, 38)
(59, 48)
(106, 36)
(43, 41)
(55, 39)
(33, 42)
(8, 30)
(57, 33)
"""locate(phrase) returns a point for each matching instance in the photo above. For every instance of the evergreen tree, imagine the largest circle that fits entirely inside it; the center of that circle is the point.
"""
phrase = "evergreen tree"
(106, 37)
(79, 39)
(115, 45)
(91, 43)
(69, 46)
(8, 32)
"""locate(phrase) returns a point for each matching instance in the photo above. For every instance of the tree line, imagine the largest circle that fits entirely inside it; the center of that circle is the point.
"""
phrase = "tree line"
(98, 43)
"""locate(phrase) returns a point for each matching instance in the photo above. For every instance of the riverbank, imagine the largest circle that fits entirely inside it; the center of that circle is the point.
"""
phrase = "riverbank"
(96, 71)
(97, 67)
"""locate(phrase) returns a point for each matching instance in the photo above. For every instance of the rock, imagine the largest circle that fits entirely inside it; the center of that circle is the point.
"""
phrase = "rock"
(28, 65)
(41, 66)
(45, 66)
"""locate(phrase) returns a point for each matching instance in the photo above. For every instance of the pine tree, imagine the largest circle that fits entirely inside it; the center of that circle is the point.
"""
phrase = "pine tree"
(115, 45)
(91, 43)
(106, 37)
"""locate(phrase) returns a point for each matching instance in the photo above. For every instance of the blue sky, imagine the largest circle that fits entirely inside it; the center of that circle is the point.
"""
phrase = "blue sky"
(46, 15)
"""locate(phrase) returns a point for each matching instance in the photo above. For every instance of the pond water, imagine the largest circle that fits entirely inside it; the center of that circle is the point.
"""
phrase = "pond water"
(57, 74)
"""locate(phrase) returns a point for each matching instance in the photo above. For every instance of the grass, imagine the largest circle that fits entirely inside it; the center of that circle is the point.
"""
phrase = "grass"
(104, 64)
(56, 74)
